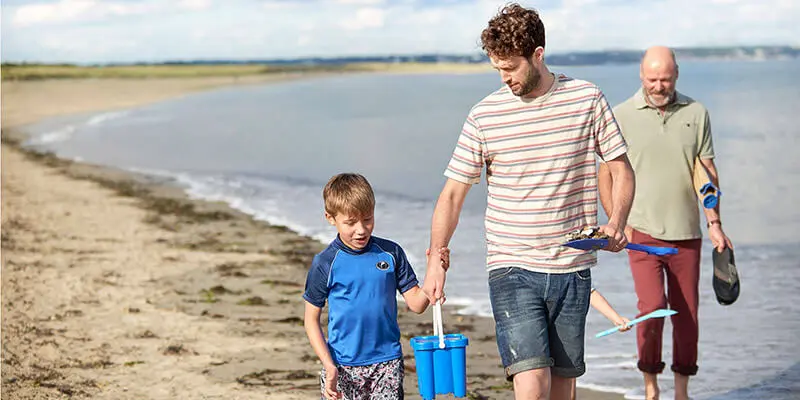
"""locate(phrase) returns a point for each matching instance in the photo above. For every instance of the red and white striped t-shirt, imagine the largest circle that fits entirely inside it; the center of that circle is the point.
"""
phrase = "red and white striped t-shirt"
(540, 165)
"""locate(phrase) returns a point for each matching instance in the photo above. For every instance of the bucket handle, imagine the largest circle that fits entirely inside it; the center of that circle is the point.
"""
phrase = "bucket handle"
(438, 330)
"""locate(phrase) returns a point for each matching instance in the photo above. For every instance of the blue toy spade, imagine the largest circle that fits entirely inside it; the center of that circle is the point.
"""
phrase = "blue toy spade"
(655, 314)
(597, 244)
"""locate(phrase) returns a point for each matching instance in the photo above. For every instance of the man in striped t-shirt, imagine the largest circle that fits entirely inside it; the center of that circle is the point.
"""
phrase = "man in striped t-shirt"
(538, 138)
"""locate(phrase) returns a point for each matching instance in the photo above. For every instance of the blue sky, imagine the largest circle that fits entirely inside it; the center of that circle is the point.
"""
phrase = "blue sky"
(88, 31)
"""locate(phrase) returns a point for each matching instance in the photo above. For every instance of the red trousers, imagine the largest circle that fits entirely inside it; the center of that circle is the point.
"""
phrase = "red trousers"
(682, 274)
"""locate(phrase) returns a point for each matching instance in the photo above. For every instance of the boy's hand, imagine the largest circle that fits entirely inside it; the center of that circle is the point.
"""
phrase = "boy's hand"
(622, 323)
(444, 256)
(331, 379)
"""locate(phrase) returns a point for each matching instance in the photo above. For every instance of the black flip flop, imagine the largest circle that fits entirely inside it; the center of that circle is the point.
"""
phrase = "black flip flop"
(726, 277)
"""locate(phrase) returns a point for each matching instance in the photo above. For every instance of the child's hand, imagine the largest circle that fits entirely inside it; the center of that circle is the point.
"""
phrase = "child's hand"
(622, 323)
(331, 379)
(444, 256)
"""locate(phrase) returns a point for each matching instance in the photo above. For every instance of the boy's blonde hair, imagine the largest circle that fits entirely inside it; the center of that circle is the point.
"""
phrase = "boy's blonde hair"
(349, 194)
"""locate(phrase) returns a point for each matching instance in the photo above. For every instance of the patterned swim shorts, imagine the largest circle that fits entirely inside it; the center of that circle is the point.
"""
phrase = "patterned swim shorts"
(381, 381)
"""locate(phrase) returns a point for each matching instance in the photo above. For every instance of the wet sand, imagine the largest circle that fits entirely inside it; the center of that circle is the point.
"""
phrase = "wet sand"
(117, 286)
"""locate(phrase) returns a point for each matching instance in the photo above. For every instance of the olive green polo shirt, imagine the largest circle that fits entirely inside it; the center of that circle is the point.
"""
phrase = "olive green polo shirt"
(662, 149)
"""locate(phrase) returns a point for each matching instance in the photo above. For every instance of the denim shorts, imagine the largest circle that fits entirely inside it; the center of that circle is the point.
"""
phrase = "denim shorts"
(540, 319)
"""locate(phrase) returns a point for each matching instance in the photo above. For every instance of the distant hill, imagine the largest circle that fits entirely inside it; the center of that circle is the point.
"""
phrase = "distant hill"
(572, 58)
(560, 59)
(689, 53)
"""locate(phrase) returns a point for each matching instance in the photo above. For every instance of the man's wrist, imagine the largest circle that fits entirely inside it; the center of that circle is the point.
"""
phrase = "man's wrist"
(714, 222)
(616, 224)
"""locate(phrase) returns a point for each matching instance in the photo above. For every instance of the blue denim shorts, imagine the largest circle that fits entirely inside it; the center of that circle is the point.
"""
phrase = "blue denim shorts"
(540, 319)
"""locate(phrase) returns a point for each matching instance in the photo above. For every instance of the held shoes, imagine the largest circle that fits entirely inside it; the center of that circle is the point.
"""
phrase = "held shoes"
(726, 277)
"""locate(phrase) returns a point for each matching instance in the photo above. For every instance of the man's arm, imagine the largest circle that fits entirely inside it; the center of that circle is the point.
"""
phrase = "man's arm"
(712, 214)
(715, 232)
(443, 225)
(604, 187)
(623, 185)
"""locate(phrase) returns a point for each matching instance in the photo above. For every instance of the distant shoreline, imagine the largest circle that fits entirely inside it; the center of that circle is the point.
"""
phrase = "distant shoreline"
(39, 72)
(419, 63)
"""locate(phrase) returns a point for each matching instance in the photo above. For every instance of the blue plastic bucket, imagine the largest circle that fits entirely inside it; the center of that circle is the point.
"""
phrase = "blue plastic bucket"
(441, 371)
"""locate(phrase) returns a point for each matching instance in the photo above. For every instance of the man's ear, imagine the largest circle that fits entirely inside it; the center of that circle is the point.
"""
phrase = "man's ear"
(330, 218)
(538, 54)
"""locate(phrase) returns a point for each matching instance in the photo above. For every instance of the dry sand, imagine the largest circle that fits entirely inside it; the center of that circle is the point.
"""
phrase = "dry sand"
(118, 287)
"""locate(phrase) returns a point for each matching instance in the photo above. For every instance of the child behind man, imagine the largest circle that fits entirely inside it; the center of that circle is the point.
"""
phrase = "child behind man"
(358, 275)
(599, 303)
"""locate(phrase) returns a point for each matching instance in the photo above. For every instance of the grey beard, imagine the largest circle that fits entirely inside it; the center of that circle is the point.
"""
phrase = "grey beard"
(651, 101)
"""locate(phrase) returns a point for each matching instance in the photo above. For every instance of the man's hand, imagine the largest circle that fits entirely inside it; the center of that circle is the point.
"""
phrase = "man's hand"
(433, 286)
(718, 238)
(616, 238)
(444, 256)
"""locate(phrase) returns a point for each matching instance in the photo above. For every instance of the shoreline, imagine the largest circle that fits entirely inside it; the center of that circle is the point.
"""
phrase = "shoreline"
(231, 281)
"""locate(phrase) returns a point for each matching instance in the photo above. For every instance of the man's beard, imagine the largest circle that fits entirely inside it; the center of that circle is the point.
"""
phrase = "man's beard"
(661, 101)
(530, 84)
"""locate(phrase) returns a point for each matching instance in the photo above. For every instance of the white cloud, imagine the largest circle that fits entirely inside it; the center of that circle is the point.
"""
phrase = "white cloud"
(359, 2)
(303, 40)
(194, 4)
(149, 30)
(75, 11)
(365, 18)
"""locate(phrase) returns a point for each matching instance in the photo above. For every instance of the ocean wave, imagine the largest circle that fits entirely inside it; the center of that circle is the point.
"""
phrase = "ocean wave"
(104, 117)
(59, 135)
(67, 132)
(610, 356)
(629, 365)
(602, 388)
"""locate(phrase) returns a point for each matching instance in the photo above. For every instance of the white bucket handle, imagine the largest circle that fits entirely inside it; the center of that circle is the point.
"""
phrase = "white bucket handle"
(438, 330)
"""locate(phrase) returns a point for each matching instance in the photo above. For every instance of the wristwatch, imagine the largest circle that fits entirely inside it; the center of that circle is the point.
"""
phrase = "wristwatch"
(712, 222)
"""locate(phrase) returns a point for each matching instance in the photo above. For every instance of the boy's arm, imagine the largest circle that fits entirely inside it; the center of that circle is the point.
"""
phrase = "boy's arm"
(314, 333)
(601, 304)
(416, 300)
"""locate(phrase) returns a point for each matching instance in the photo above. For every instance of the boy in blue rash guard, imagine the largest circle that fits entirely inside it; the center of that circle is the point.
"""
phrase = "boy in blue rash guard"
(359, 275)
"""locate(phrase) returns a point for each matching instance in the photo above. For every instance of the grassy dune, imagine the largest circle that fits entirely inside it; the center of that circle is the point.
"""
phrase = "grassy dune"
(11, 72)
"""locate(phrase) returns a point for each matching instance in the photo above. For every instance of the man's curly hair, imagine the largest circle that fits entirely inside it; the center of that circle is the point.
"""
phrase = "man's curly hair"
(514, 31)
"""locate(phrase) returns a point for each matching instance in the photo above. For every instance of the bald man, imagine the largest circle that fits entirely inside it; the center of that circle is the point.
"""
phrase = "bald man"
(666, 131)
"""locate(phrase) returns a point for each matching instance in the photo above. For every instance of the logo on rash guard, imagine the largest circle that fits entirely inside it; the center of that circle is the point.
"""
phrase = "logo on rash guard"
(382, 265)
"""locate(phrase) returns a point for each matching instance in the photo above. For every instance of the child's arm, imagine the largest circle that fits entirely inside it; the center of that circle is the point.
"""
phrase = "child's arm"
(416, 300)
(601, 304)
(320, 346)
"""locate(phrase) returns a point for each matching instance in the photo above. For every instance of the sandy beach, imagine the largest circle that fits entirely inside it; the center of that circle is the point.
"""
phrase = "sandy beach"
(117, 286)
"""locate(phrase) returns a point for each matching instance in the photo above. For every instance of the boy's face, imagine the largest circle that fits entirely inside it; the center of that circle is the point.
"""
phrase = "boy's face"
(354, 231)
